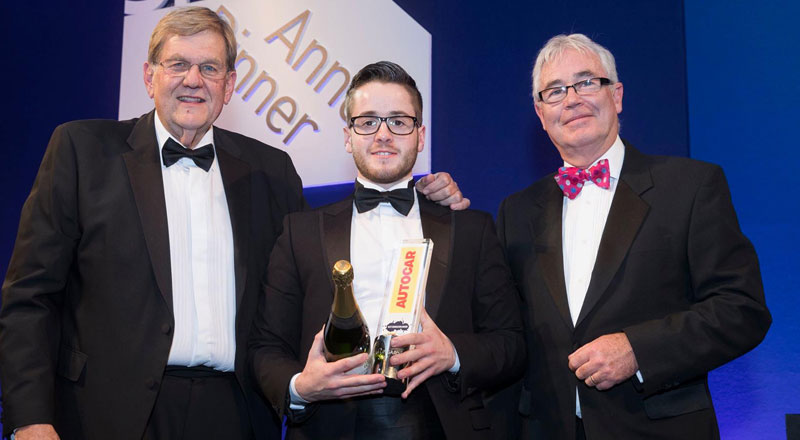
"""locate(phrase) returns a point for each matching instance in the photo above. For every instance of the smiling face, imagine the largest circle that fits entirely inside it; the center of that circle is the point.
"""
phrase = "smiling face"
(581, 127)
(188, 104)
(383, 157)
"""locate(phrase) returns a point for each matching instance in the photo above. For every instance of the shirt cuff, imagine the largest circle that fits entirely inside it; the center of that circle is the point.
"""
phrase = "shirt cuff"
(295, 401)
(639, 376)
(457, 365)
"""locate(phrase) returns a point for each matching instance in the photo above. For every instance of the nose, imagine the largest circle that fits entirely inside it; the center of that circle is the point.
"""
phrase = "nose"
(193, 78)
(383, 133)
(572, 96)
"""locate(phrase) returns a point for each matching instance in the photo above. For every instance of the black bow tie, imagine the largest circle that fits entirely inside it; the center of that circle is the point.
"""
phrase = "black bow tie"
(172, 152)
(401, 199)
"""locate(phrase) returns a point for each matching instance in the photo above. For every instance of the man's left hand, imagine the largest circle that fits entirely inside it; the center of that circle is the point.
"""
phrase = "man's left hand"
(442, 189)
(432, 354)
(604, 362)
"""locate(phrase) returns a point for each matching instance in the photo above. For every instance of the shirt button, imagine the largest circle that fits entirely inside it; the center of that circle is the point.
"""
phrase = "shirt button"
(150, 383)
(165, 328)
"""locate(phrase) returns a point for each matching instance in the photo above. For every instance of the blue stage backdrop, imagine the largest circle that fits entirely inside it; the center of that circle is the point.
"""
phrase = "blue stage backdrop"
(64, 63)
(743, 99)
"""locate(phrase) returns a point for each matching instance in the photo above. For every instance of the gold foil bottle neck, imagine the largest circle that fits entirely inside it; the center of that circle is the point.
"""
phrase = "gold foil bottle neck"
(342, 273)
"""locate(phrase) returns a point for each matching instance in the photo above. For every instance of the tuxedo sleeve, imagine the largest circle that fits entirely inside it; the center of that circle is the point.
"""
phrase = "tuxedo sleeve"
(34, 287)
(728, 314)
(275, 336)
(493, 354)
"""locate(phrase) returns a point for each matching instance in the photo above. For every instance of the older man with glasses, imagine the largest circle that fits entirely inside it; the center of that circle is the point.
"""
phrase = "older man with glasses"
(636, 277)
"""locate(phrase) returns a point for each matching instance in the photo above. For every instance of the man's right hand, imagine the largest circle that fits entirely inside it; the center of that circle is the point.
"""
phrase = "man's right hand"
(323, 380)
(36, 432)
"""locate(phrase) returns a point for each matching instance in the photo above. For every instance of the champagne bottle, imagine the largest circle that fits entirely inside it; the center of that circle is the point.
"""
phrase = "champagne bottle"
(346, 333)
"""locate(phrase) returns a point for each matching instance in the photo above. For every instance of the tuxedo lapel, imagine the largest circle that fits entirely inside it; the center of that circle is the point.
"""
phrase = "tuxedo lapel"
(626, 215)
(143, 163)
(546, 228)
(236, 180)
(336, 223)
(437, 224)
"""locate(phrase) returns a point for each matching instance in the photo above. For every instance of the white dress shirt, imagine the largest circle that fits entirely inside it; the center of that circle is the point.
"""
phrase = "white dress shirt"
(583, 221)
(201, 261)
(374, 236)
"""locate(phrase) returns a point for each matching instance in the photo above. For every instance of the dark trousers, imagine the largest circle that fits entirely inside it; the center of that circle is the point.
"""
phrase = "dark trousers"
(198, 403)
(392, 418)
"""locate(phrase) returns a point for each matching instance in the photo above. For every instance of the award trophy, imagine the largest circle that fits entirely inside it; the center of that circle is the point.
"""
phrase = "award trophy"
(402, 307)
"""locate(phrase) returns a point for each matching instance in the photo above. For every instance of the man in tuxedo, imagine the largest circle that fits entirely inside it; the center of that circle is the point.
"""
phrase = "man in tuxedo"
(140, 257)
(470, 341)
(636, 277)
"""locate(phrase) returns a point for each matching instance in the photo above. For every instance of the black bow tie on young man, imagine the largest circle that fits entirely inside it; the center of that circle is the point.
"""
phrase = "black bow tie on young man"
(172, 152)
(401, 199)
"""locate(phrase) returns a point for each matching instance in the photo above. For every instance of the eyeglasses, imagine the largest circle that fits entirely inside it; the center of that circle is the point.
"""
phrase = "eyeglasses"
(589, 86)
(210, 71)
(399, 125)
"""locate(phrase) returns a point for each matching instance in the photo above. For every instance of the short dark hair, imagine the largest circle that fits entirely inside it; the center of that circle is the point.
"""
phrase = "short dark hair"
(385, 72)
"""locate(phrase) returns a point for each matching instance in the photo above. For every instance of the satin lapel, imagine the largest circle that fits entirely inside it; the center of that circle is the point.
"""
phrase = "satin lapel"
(336, 222)
(144, 171)
(236, 181)
(437, 224)
(627, 213)
(547, 239)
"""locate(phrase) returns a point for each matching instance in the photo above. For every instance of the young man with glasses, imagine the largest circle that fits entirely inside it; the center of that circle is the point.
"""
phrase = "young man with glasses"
(636, 277)
(471, 340)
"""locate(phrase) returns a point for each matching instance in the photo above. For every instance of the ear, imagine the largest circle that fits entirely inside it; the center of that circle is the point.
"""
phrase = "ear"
(537, 105)
(420, 138)
(230, 83)
(616, 94)
(148, 73)
(348, 146)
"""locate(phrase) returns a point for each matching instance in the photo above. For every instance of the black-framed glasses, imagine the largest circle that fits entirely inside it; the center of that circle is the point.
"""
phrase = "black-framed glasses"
(400, 125)
(587, 86)
(212, 71)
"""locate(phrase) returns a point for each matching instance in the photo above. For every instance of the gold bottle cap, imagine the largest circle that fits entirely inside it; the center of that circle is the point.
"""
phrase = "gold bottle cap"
(342, 272)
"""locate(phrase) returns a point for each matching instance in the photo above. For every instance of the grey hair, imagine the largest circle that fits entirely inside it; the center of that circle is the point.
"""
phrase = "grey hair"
(560, 43)
(189, 21)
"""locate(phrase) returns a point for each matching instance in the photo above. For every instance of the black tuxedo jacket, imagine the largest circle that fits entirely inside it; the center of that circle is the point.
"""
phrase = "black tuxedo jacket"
(470, 296)
(86, 322)
(673, 271)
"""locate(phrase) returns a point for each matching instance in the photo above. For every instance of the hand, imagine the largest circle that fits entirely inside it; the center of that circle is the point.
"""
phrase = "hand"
(604, 362)
(36, 432)
(323, 380)
(432, 354)
(442, 189)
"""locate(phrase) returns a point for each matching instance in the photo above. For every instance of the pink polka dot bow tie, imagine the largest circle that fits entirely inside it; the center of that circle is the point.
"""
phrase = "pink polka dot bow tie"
(571, 179)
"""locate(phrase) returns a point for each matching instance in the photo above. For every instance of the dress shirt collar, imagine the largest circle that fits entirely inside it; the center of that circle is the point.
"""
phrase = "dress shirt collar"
(615, 156)
(162, 135)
